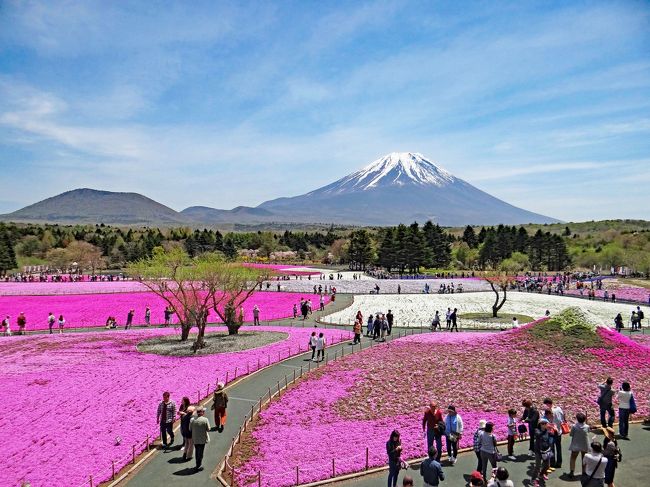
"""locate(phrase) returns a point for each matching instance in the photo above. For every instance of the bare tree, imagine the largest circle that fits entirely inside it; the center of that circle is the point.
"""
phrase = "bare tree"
(500, 286)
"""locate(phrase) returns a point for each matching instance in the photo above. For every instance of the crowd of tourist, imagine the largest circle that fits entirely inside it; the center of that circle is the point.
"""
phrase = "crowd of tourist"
(542, 428)
(60, 277)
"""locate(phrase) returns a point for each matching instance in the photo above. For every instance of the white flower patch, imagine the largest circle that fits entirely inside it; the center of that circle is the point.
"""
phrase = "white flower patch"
(418, 310)
(367, 284)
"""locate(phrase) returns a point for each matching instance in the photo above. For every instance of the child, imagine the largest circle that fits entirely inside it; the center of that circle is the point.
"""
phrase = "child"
(512, 433)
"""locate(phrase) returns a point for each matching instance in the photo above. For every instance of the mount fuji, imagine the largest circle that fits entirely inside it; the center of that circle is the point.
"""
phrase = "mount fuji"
(400, 187)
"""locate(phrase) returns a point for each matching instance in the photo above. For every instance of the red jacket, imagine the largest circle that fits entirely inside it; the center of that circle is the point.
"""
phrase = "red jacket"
(431, 419)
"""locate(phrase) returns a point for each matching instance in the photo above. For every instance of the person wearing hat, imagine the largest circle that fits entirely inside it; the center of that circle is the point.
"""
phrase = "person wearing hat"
(543, 450)
(199, 427)
(454, 432)
(476, 479)
(219, 405)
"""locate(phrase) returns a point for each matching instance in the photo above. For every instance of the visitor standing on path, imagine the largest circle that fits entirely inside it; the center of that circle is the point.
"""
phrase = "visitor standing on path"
(322, 303)
(543, 451)
(476, 444)
(165, 418)
(530, 416)
(394, 451)
(579, 442)
(371, 321)
(51, 319)
(357, 329)
(129, 319)
(313, 341)
(454, 318)
(186, 412)
(488, 448)
(436, 322)
(557, 419)
(431, 470)
(500, 479)
(448, 318)
(21, 321)
(200, 426)
(618, 322)
(594, 464)
(390, 318)
(512, 433)
(61, 324)
(256, 315)
(147, 316)
(219, 404)
(433, 425)
(626, 406)
(454, 432)
(605, 402)
(612, 454)
(6, 326)
(320, 347)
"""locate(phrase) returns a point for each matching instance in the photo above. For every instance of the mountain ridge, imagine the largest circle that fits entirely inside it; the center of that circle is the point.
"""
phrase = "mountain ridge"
(399, 187)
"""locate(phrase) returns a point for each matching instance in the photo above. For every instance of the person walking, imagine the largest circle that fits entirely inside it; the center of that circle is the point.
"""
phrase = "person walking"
(165, 418)
(147, 316)
(256, 315)
(384, 328)
(186, 412)
(448, 318)
(357, 328)
(200, 426)
(579, 441)
(454, 318)
(219, 405)
(61, 324)
(394, 451)
(557, 418)
(313, 341)
(390, 319)
(6, 326)
(21, 321)
(51, 319)
(594, 464)
(129, 319)
(320, 347)
(432, 424)
(436, 322)
(431, 470)
(371, 322)
(512, 433)
(487, 448)
(476, 444)
(605, 402)
(625, 408)
(454, 432)
(613, 455)
(322, 303)
(543, 451)
(618, 322)
(295, 311)
(530, 416)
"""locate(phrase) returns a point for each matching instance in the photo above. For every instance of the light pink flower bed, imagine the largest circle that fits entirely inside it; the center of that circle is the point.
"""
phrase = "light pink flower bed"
(282, 268)
(86, 287)
(67, 397)
(90, 310)
(354, 404)
(628, 293)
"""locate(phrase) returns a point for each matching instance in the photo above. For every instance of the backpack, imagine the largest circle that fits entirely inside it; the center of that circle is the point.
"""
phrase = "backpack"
(477, 440)
(640, 315)
(441, 428)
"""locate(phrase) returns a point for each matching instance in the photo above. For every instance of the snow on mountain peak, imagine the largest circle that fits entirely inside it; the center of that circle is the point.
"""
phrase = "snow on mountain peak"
(394, 169)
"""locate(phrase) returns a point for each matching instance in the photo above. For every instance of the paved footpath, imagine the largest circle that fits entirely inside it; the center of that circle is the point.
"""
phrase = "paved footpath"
(633, 471)
(167, 467)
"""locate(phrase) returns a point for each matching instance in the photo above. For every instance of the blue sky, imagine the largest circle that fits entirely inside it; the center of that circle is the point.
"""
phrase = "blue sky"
(543, 104)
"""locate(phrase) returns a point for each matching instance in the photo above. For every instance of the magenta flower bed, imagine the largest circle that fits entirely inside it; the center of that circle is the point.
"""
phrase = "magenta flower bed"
(70, 396)
(629, 293)
(354, 404)
(89, 310)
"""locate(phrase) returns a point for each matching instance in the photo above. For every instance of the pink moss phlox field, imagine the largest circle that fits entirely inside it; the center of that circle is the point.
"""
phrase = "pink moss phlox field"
(71, 395)
(282, 269)
(91, 310)
(627, 293)
(356, 402)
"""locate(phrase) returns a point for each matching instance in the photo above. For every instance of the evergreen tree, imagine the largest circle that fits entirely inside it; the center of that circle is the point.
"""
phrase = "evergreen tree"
(481, 235)
(438, 245)
(469, 237)
(360, 252)
(7, 254)
(415, 248)
(387, 249)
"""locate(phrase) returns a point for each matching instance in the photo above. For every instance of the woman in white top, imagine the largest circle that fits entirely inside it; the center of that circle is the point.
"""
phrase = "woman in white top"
(61, 323)
(320, 347)
(624, 398)
(594, 464)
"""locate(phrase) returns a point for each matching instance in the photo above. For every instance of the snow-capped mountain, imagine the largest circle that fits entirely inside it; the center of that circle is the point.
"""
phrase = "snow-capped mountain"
(400, 187)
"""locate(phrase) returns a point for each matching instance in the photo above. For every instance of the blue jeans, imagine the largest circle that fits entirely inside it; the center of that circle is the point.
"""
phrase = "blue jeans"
(393, 473)
(431, 438)
(610, 421)
(623, 421)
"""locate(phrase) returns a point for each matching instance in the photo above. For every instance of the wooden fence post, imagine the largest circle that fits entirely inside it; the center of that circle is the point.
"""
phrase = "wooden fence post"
(90, 479)
(297, 476)
(133, 453)
(113, 464)
(333, 468)
(367, 455)
(148, 443)
(259, 479)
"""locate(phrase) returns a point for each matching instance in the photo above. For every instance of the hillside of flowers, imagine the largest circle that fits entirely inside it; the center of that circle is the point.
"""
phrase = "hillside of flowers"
(92, 310)
(356, 402)
(84, 287)
(70, 397)
(416, 310)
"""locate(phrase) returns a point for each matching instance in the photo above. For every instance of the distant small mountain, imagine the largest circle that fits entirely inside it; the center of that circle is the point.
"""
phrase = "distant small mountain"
(240, 214)
(400, 187)
(94, 206)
